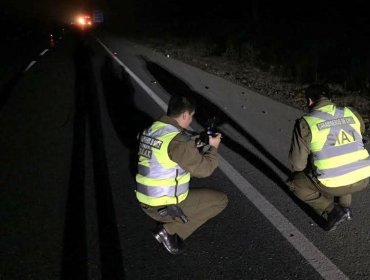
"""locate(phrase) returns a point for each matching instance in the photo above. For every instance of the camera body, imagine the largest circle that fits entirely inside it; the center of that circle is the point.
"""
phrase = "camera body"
(211, 130)
(203, 138)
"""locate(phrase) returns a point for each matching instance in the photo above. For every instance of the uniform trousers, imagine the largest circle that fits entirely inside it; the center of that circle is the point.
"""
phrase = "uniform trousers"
(199, 206)
(321, 198)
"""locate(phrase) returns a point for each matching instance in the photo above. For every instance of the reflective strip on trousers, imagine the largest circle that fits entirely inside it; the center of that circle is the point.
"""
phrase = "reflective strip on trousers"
(163, 191)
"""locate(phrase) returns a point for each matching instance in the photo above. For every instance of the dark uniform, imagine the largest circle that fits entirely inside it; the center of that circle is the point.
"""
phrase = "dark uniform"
(200, 204)
(305, 183)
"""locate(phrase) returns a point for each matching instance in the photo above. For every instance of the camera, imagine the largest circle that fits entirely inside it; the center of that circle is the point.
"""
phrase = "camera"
(211, 130)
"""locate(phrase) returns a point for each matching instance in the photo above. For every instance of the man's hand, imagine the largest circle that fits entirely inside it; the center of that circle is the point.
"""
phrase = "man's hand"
(215, 140)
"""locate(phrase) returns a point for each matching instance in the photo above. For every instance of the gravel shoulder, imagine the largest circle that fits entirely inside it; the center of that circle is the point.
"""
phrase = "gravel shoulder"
(275, 87)
(265, 83)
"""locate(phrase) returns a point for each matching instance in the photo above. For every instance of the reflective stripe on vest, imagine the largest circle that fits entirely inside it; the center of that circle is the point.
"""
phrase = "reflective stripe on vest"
(160, 181)
(338, 154)
(160, 191)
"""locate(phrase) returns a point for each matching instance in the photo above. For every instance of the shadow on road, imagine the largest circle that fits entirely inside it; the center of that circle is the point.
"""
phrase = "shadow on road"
(206, 109)
(8, 87)
(87, 111)
(128, 121)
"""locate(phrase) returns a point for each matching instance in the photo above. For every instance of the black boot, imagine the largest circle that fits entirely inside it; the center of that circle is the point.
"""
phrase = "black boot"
(336, 217)
(172, 243)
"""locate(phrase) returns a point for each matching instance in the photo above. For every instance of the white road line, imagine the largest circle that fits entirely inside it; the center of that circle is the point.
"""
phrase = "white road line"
(159, 101)
(310, 252)
(44, 52)
(30, 65)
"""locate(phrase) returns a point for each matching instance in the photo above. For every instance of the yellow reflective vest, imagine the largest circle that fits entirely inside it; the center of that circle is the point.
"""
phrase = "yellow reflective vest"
(338, 154)
(159, 181)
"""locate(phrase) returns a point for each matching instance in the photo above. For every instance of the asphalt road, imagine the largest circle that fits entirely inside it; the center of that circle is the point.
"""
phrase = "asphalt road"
(67, 204)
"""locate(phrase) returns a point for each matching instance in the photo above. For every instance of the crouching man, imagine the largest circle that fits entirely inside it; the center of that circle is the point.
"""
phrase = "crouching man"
(168, 157)
(328, 158)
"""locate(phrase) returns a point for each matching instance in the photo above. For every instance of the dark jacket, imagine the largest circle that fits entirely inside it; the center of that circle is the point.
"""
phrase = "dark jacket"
(183, 150)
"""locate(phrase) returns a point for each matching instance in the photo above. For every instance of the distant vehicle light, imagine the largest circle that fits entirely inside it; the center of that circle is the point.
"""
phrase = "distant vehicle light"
(83, 21)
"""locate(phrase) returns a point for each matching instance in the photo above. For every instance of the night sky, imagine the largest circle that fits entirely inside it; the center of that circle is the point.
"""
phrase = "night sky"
(282, 31)
(45, 10)
(349, 13)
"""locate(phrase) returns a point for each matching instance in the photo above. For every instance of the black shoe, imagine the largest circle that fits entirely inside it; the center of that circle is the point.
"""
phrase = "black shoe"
(348, 211)
(172, 243)
(336, 217)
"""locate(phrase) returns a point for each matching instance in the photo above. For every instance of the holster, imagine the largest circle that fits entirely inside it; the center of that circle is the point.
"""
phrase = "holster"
(173, 211)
